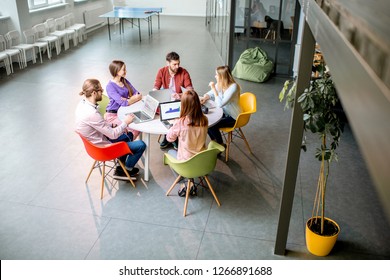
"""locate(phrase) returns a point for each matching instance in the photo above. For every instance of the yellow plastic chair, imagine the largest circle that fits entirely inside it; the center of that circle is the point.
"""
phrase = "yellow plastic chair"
(198, 166)
(248, 105)
(103, 104)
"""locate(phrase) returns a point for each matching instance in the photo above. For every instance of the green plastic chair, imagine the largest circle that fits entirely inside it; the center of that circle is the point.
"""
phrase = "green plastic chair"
(103, 104)
(198, 166)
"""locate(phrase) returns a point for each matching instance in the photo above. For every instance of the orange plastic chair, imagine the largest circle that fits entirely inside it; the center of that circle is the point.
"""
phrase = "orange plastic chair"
(101, 154)
(248, 105)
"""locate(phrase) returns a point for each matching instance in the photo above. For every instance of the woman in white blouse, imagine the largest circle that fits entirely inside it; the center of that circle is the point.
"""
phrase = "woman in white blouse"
(226, 94)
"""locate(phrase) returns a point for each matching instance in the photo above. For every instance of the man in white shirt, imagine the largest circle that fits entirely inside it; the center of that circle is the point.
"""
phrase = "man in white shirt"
(92, 126)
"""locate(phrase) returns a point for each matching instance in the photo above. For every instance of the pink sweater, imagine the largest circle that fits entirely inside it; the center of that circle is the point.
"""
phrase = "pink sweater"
(192, 139)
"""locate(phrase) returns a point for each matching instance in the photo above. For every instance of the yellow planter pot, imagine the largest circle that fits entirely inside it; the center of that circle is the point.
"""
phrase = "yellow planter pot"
(320, 245)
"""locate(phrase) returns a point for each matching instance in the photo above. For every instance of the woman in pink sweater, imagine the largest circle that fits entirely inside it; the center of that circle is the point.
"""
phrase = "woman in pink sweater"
(190, 129)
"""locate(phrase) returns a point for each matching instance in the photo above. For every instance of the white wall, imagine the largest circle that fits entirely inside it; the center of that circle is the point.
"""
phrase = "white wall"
(21, 19)
(170, 7)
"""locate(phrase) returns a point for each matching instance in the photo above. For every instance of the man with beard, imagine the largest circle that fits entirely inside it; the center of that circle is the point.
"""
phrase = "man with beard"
(172, 77)
(90, 124)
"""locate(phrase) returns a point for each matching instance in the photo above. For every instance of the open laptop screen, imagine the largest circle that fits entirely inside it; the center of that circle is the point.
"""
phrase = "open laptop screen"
(170, 110)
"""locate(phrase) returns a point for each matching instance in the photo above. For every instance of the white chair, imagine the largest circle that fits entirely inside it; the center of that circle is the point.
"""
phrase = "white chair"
(72, 34)
(29, 35)
(80, 28)
(13, 42)
(5, 59)
(11, 53)
(52, 30)
(42, 36)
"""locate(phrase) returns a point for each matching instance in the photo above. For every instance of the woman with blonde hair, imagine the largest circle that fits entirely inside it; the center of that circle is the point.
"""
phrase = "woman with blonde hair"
(226, 94)
(120, 92)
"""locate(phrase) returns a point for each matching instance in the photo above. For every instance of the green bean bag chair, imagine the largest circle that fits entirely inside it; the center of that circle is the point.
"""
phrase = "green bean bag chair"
(253, 65)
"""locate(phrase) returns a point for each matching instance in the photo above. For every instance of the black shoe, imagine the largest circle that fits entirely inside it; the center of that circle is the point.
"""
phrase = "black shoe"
(193, 191)
(119, 174)
(175, 145)
(133, 171)
(164, 144)
(182, 192)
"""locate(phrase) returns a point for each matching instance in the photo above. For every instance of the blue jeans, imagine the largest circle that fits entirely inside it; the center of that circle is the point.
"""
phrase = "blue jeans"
(215, 133)
(136, 147)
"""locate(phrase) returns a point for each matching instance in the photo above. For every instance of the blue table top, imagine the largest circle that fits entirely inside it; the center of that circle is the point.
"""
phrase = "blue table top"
(128, 12)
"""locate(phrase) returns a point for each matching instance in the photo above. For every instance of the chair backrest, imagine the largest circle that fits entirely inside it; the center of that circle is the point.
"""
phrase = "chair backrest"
(12, 38)
(103, 104)
(106, 152)
(3, 44)
(198, 165)
(71, 19)
(29, 36)
(67, 21)
(60, 23)
(248, 105)
(50, 25)
(40, 30)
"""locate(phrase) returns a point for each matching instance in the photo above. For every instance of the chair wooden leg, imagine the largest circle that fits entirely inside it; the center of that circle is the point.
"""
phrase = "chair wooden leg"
(212, 190)
(127, 174)
(243, 137)
(90, 171)
(228, 142)
(187, 195)
(103, 175)
(173, 185)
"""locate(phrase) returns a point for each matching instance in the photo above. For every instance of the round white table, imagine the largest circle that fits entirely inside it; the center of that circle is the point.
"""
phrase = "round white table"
(156, 127)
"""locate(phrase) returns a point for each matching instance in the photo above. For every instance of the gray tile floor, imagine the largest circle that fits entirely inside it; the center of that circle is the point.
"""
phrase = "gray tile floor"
(47, 211)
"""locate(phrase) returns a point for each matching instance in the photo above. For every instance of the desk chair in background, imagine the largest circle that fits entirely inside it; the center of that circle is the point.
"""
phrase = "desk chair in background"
(102, 154)
(41, 46)
(42, 36)
(248, 105)
(10, 53)
(198, 166)
(14, 41)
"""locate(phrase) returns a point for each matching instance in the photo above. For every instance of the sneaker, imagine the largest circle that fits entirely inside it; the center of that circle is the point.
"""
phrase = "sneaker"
(164, 144)
(175, 145)
(119, 174)
(133, 171)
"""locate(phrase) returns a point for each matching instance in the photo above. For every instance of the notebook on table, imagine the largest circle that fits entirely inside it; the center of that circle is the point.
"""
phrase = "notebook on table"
(147, 112)
(169, 111)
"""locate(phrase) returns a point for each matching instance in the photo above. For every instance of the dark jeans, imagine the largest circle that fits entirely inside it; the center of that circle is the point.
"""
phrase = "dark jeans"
(136, 147)
(214, 132)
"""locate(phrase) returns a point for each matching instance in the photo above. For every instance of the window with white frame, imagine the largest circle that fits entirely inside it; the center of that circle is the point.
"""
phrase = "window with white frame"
(37, 4)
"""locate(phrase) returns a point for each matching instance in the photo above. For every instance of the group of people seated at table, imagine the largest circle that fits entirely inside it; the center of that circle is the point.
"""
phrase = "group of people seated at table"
(188, 133)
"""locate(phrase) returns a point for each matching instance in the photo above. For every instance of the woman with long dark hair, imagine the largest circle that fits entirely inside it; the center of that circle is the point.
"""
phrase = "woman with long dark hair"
(120, 92)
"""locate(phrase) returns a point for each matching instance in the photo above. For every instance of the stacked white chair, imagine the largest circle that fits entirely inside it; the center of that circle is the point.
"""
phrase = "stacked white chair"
(52, 30)
(13, 42)
(72, 34)
(79, 27)
(6, 61)
(41, 46)
(11, 53)
(42, 36)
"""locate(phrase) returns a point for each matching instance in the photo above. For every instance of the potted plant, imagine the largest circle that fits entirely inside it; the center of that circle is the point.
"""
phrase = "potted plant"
(318, 103)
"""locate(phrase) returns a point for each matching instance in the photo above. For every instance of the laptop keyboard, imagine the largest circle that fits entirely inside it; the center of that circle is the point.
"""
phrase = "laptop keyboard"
(141, 116)
(167, 124)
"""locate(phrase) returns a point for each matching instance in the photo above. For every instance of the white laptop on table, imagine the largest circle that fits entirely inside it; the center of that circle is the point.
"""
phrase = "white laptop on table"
(169, 111)
(147, 112)
(162, 95)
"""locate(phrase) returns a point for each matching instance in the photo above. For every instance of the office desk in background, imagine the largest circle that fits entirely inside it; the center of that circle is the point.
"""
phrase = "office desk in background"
(156, 127)
(132, 14)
